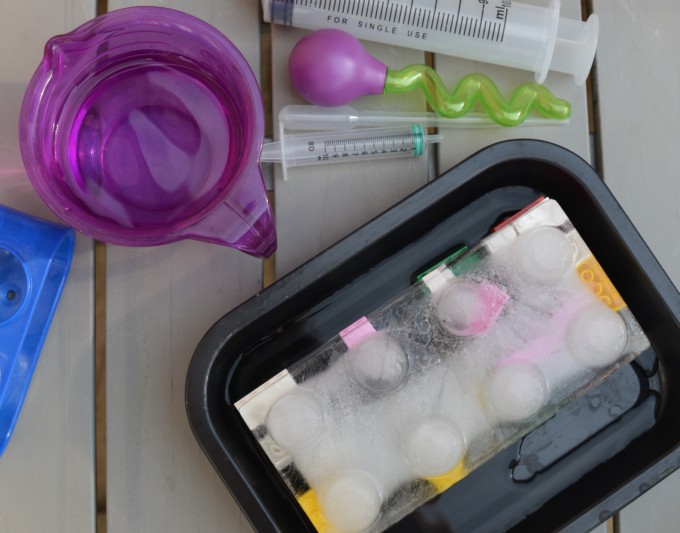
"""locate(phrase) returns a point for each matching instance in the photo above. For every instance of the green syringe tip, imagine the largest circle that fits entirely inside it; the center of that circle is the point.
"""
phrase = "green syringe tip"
(477, 87)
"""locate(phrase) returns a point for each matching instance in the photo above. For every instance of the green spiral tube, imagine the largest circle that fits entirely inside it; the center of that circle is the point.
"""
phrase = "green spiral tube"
(475, 87)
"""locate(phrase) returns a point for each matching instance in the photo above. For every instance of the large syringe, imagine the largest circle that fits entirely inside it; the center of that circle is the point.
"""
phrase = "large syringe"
(502, 32)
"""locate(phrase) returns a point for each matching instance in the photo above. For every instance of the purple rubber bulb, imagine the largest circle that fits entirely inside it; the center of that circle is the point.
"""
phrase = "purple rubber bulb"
(331, 68)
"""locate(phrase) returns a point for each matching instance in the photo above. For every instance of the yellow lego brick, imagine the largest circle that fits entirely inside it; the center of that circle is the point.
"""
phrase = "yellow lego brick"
(591, 273)
(444, 481)
(310, 505)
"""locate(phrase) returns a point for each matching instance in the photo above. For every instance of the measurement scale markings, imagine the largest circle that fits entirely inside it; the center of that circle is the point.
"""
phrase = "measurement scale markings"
(391, 13)
(481, 19)
(420, 17)
(384, 10)
(434, 10)
(379, 143)
(455, 29)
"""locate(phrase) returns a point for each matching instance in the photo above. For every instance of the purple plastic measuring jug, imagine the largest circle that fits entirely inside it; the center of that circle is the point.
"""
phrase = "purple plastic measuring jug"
(144, 126)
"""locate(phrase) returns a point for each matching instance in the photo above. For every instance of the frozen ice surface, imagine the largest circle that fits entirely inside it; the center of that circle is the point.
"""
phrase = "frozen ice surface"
(379, 363)
(598, 336)
(544, 253)
(297, 420)
(370, 429)
(351, 501)
(516, 391)
(447, 374)
(461, 307)
(469, 307)
(433, 446)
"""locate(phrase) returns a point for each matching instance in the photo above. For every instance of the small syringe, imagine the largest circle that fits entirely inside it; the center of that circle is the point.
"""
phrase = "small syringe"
(323, 147)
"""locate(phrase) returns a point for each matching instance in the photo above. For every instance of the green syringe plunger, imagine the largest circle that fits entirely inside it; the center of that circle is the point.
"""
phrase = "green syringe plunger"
(330, 67)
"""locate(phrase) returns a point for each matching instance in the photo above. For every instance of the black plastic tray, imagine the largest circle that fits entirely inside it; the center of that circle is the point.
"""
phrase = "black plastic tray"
(594, 457)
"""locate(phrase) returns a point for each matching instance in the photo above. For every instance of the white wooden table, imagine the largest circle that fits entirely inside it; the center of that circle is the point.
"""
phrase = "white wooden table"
(160, 301)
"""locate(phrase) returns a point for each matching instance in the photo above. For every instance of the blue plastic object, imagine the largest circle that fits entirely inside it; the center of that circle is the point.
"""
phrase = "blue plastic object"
(35, 257)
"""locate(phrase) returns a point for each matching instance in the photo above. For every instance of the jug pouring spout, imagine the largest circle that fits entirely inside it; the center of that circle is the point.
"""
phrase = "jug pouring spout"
(243, 220)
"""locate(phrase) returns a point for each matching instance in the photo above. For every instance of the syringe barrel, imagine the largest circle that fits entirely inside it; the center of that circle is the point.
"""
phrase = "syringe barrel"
(502, 32)
(320, 148)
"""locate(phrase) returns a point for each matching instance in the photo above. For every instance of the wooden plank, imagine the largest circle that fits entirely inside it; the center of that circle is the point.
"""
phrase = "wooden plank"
(160, 303)
(656, 510)
(638, 117)
(604, 528)
(319, 205)
(636, 68)
(47, 470)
